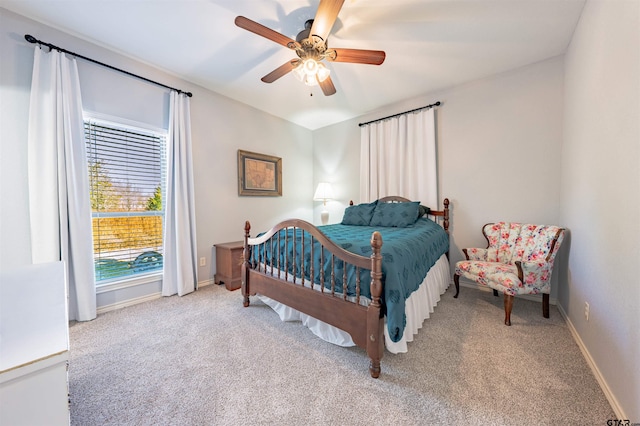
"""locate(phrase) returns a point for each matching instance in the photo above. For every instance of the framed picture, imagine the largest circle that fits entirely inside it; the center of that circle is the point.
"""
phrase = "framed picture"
(259, 174)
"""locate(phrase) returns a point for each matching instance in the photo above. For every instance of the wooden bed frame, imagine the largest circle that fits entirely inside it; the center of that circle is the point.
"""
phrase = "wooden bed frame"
(365, 324)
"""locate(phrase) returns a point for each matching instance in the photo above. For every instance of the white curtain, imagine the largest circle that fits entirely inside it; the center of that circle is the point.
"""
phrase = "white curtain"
(59, 206)
(398, 157)
(180, 267)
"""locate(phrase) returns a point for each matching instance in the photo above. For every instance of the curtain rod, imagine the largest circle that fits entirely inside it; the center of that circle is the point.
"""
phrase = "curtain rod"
(400, 113)
(32, 39)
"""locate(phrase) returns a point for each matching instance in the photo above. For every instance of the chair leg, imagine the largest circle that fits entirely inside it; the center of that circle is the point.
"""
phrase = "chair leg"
(508, 304)
(456, 281)
(545, 305)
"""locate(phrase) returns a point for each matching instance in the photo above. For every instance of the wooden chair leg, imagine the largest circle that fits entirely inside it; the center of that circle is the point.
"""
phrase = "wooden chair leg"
(456, 281)
(545, 305)
(508, 305)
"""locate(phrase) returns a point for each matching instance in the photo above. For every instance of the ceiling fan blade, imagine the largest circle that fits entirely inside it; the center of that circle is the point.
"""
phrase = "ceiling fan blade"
(261, 30)
(325, 17)
(327, 86)
(358, 56)
(280, 71)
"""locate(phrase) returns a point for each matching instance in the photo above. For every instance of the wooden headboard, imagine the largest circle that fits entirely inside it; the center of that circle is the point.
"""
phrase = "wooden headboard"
(444, 213)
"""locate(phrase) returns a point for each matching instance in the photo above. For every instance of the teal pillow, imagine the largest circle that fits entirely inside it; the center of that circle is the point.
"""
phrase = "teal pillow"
(422, 210)
(399, 215)
(359, 215)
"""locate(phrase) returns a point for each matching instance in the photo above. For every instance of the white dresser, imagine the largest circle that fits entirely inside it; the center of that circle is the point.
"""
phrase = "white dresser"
(34, 346)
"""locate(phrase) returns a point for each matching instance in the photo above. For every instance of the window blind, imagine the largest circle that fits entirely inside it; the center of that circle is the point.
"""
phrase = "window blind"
(126, 178)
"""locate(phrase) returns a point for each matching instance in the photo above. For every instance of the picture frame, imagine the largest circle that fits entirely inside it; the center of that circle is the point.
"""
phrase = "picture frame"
(259, 174)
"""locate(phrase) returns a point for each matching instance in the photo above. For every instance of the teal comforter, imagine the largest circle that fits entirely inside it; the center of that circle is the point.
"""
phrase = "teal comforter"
(408, 254)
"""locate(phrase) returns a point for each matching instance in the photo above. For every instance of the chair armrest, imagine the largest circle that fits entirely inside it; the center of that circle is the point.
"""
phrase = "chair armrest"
(475, 253)
(534, 274)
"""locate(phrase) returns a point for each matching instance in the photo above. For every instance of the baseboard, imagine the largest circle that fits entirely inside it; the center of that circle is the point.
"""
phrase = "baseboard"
(205, 282)
(128, 302)
(617, 409)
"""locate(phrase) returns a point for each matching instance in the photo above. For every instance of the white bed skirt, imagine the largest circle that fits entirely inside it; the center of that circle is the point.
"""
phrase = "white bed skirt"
(418, 307)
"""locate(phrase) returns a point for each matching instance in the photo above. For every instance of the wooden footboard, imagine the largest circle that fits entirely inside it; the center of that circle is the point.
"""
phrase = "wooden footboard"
(284, 280)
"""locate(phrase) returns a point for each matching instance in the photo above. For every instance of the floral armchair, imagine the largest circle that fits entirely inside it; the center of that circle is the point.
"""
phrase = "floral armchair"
(518, 260)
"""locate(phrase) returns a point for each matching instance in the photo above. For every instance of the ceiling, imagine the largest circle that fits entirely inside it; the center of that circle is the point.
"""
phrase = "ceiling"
(430, 45)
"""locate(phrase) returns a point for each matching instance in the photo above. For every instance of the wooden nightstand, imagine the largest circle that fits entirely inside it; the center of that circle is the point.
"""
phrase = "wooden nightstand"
(229, 264)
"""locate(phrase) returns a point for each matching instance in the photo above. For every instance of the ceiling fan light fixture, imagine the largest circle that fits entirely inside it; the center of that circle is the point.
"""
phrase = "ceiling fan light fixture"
(310, 72)
(323, 72)
(310, 66)
(310, 80)
(301, 72)
(298, 72)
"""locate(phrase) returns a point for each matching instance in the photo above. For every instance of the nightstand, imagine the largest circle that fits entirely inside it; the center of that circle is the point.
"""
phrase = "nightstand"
(229, 264)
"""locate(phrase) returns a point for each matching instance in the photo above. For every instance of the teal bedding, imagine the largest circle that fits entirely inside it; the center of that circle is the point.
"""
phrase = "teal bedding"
(408, 254)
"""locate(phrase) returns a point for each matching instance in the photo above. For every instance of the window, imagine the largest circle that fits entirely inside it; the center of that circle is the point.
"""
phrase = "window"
(127, 187)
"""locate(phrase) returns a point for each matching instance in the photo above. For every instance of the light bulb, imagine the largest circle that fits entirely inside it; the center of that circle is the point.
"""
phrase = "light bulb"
(310, 80)
(310, 67)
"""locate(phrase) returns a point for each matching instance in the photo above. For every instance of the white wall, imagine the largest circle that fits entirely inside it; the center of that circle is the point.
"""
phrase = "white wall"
(336, 156)
(601, 194)
(220, 127)
(499, 145)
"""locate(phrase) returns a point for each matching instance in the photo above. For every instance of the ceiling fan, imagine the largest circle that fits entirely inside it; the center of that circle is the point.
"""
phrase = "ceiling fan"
(311, 47)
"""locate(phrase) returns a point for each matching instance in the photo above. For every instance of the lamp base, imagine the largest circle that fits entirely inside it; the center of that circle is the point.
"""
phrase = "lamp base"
(324, 217)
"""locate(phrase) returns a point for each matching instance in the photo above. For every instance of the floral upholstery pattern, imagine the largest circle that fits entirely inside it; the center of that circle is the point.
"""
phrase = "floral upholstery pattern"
(518, 260)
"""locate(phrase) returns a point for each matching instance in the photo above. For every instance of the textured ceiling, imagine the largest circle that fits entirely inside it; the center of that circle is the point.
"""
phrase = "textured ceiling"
(430, 45)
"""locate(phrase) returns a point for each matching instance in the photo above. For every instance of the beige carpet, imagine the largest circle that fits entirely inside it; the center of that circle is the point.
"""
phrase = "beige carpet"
(203, 359)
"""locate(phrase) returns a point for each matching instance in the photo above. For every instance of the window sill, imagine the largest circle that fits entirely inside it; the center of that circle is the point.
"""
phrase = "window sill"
(119, 284)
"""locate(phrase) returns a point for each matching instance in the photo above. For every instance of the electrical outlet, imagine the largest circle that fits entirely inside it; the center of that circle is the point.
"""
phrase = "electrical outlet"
(586, 311)
(203, 261)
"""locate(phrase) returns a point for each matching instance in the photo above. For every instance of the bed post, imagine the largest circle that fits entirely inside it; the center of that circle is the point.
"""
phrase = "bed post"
(375, 321)
(245, 265)
(445, 222)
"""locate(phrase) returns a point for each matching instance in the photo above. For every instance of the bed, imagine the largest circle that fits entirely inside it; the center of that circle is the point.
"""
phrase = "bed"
(359, 282)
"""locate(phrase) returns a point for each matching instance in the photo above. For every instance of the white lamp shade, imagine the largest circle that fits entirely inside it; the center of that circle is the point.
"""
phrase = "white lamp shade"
(323, 192)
